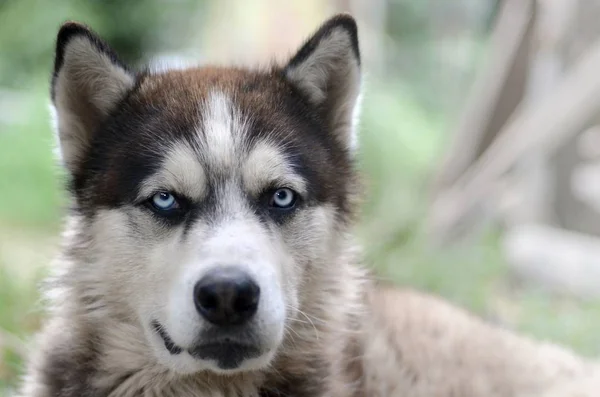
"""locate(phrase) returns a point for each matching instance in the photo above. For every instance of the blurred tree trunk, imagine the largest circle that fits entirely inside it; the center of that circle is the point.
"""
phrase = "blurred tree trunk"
(563, 257)
(554, 95)
(540, 151)
(496, 93)
(535, 176)
(570, 206)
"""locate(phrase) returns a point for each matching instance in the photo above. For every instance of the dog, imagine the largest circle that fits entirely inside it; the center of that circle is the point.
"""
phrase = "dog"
(208, 251)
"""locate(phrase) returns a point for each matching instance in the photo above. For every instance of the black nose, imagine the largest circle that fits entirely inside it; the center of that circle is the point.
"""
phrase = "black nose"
(226, 296)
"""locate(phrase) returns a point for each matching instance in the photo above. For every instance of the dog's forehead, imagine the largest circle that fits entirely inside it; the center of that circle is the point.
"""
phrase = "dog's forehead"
(222, 113)
(185, 92)
(199, 79)
(220, 109)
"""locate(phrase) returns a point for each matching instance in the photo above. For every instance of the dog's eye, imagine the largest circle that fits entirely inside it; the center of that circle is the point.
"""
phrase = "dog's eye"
(164, 202)
(283, 198)
(168, 206)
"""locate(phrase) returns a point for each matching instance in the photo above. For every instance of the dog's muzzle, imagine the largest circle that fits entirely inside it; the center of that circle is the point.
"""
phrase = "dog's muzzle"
(227, 299)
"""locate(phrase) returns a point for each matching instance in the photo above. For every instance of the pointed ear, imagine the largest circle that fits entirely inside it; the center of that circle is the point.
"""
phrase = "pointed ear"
(87, 83)
(326, 70)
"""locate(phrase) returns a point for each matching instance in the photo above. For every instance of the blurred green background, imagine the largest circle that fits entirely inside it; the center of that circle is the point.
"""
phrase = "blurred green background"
(419, 62)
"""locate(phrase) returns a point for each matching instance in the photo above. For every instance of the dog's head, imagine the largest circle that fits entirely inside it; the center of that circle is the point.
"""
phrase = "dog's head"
(208, 195)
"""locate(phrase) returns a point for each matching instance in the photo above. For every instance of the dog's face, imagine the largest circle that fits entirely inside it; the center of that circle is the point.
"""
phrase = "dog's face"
(208, 195)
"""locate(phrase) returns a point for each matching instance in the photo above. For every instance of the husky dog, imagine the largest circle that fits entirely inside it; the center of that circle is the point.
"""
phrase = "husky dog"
(208, 251)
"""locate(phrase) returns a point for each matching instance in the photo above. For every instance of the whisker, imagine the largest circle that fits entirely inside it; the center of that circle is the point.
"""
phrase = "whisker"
(309, 322)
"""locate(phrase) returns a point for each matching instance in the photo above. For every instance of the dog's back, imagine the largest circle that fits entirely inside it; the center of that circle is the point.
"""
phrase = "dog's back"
(418, 345)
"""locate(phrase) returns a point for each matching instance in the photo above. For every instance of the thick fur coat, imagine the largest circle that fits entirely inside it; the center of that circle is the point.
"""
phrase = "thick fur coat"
(176, 175)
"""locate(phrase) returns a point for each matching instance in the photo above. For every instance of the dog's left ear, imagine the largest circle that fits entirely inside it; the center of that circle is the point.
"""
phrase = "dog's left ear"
(326, 70)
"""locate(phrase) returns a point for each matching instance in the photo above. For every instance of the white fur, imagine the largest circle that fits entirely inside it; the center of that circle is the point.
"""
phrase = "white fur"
(267, 164)
(241, 243)
(180, 172)
(354, 140)
(222, 133)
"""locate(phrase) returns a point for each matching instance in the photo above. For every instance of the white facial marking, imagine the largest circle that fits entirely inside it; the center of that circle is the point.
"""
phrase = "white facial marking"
(234, 237)
(266, 165)
(180, 172)
(222, 129)
(239, 241)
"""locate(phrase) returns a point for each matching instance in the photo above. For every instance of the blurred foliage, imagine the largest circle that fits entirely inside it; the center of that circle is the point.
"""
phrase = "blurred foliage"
(413, 48)
(407, 20)
(20, 314)
(28, 171)
(133, 28)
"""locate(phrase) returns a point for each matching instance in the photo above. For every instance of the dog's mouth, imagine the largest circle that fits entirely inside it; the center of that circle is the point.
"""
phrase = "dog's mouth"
(169, 344)
(226, 352)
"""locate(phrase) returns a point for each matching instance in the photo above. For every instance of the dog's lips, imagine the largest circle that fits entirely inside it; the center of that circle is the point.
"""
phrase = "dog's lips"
(169, 344)
(228, 353)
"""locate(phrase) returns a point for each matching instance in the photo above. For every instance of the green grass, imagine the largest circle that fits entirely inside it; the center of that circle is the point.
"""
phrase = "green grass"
(399, 145)
(30, 182)
(478, 279)
(20, 315)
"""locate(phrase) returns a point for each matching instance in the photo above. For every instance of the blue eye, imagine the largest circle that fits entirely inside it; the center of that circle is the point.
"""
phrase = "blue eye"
(164, 201)
(283, 198)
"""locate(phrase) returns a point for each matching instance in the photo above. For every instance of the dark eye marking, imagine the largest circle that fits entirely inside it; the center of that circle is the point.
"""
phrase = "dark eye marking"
(167, 205)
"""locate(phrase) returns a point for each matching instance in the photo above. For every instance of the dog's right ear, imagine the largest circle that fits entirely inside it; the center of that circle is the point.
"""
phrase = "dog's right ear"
(327, 70)
(88, 82)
